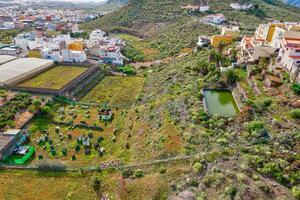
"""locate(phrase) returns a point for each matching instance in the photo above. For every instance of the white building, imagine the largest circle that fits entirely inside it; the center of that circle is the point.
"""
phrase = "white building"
(237, 6)
(277, 37)
(73, 56)
(52, 55)
(204, 8)
(22, 40)
(214, 19)
(289, 54)
(203, 41)
(251, 50)
(97, 35)
(12, 50)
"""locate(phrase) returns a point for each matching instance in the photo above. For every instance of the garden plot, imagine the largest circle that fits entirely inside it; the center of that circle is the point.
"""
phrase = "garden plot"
(117, 91)
(75, 146)
(55, 78)
(86, 115)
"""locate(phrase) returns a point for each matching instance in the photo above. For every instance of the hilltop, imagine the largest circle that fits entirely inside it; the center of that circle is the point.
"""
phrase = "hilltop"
(150, 17)
(167, 28)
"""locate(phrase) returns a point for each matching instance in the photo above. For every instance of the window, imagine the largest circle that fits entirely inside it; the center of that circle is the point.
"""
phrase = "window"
(297, 51)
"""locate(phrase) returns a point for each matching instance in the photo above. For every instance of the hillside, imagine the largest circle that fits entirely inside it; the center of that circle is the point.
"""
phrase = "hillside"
(293, 2)
(148, 17)
(167, 28)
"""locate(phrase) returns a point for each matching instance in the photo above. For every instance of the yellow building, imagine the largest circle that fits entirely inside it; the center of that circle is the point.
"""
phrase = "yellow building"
(272, 30)
(216, 40)
(75, 46)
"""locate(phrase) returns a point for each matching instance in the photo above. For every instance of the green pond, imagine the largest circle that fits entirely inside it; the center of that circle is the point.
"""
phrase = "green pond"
(220, 102)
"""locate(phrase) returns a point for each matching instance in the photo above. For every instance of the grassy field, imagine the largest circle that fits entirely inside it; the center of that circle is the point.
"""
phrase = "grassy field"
(20, 185)
(113, 149)
(55, 78)
(142, 46)
(118, 91)
(34, 54)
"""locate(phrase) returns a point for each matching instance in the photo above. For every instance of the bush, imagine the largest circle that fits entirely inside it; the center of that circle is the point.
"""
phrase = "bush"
(295, 87)
(162, 170)
(295, 113)
(296, 192)
(126, 173)
(46, 111)
(255, 126)
(231, 76)
(197, 167)
(138, 173)
(231, 191)
(129, 70)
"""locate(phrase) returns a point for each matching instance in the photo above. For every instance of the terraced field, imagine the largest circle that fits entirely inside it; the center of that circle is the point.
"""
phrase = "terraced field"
(55, 78)
(118, 91)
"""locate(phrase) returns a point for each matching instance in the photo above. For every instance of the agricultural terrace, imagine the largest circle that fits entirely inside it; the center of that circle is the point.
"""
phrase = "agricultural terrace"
(138, 50)
(55, 78)
(117, 91)
(32, 185)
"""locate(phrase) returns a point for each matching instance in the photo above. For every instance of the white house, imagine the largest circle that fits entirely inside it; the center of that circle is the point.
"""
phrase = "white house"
(52, 55)
(289, 54)
(203, 41)
(251, 50)
(204, 8)
(73, 56)
(237, 6)
(214, 19)
(278, 37)
(13, 50)
(97, 35)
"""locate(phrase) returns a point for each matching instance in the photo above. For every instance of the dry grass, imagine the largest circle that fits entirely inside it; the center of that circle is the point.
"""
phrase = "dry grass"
(118, 91)
(22, 185)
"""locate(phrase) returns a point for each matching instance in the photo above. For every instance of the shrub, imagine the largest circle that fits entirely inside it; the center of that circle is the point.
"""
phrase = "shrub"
(162, 170)
(295, 87)
(126, 173)
(138, 173)
(263, 187)
(231, 76)
(231, 191)
(295, 113)
(127, 70)
(46, 111)
(197, 167)
(296, 192)
(255, 126)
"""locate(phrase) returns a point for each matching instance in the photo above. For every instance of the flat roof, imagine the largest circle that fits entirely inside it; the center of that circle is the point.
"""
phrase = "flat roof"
(5, 140)
(21, 66)
(6, 58)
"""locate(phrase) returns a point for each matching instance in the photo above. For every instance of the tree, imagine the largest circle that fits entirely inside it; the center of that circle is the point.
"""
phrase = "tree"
(215, 57)
(202, 67)
(37, 103)
(231, 76)
(46, 111)
(96, 185)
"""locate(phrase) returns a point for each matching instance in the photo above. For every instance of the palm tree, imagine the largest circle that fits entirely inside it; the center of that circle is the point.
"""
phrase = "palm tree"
(215, 57)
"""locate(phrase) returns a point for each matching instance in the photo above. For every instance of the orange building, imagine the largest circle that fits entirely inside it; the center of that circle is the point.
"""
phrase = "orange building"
(75, 46)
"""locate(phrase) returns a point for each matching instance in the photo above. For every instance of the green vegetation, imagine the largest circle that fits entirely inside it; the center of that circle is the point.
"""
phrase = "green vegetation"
(55, 78)
(10, 109)
(6, 36)
(296, 88)
(128, 69)
(295, 113)
(116, 91)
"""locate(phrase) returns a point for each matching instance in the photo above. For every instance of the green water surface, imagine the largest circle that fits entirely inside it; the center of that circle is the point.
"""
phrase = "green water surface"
(220, 102)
